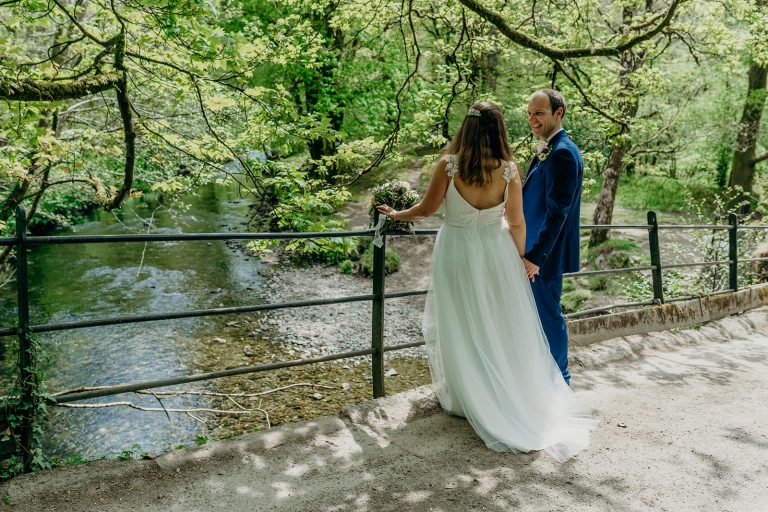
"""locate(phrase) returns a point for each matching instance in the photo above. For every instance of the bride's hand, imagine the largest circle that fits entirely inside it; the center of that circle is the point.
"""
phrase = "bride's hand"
(530, 269)
(387, 210)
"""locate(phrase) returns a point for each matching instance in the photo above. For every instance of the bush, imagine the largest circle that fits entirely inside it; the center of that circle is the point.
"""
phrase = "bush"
(346, 267)
(572, 301)
(598, 283)
(391, 261)
(613, 253)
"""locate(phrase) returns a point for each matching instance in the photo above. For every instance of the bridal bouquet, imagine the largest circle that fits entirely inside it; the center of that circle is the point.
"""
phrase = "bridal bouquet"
(398, 195)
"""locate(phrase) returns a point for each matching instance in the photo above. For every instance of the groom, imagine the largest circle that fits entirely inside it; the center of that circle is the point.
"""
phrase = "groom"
(551, 203)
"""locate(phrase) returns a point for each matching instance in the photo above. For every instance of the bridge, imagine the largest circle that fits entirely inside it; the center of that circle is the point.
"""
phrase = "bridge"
(682, 428)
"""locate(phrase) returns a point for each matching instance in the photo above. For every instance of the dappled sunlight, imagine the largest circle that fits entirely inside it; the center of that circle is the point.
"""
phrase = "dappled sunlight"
(284, 490)
(679, 429)
(251, 459)
(245, 490)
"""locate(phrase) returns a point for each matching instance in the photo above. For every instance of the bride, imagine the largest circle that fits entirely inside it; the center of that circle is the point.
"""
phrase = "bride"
(488, 355)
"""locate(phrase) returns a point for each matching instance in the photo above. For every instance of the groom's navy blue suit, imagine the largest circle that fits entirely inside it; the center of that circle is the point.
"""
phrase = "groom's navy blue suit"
(551, 204)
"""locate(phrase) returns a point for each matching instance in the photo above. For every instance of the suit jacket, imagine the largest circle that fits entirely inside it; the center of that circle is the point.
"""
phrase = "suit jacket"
(551, 204)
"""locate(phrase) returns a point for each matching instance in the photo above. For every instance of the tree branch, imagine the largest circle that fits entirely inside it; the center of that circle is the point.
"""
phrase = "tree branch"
(760, 158)
(157, 409)
(587, 100)
(387, 146)
(569, 53)
(43, 90)
(77, 23)
(129, 130)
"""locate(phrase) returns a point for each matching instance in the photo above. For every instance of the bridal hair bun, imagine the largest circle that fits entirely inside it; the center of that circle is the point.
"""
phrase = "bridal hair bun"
(473, 112)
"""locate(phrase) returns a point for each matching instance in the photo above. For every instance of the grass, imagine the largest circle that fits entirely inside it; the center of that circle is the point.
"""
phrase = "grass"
(658, 193)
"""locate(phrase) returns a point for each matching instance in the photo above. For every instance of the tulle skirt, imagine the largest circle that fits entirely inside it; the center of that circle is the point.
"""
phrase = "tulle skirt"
(488, 355)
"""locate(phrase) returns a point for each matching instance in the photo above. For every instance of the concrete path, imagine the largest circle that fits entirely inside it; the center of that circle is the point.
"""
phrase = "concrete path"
(683, 428)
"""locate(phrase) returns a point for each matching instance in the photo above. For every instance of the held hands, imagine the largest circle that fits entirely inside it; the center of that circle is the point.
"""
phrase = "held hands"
(530, 269)
(387, 210)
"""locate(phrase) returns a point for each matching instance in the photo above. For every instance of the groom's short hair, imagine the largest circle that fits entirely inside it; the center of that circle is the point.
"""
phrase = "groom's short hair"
(556, 99)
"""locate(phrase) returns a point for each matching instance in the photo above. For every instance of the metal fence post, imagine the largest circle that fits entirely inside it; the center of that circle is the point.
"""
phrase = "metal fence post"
(377, 316)
(733, 252)
(653, 241)
(26, 358)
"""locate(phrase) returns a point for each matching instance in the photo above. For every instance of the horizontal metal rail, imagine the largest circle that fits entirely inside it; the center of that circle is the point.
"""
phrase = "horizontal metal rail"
(404, 346)
(696, 264)
(192, 314)
(179, 237)
(582, 273)
(410, 293)
(752, 260)
(700, 296)
(695, 226)
(611, 306)
(230, 372)
(614, 226)
(418, 232)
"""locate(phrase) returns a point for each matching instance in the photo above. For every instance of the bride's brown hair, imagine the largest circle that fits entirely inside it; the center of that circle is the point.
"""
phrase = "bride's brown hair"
(480, 145)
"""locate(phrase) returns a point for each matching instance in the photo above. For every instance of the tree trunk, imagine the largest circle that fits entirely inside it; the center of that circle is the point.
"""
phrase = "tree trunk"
(604, 210)
(316, 89)
(743, 167)
(490, 71)
(603, 213)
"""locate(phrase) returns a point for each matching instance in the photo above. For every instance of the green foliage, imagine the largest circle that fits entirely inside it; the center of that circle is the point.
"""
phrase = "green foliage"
(213, 80)
(346, 267)
(201, 440)
(613, 253)
(134, 452)
(635, 287)
(391, 261)
(304, 204)
(598, 283)
(658, 193)
(712, 245)
(571, 302)
(16, 409)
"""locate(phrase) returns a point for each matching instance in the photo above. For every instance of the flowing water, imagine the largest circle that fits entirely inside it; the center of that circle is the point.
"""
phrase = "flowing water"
(83, 281)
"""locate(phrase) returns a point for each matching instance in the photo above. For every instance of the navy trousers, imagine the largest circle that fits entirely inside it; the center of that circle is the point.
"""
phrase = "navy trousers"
(547, 292)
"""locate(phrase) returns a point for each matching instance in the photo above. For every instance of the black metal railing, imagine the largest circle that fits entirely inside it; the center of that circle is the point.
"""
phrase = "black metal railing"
(25, 329)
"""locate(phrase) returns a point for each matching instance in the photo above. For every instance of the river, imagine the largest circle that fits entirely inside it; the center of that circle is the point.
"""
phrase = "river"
(83, 281)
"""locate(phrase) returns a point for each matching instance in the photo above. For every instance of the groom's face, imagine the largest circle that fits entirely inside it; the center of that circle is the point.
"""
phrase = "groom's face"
(540, 116)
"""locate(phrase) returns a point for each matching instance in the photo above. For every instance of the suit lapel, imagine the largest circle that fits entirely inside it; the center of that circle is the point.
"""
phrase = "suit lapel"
(535, 165)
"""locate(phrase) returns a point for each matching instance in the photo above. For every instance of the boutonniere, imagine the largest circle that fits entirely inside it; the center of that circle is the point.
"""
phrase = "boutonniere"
(542, 150)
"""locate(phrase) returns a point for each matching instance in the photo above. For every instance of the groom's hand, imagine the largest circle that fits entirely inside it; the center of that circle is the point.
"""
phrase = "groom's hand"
(530, 269)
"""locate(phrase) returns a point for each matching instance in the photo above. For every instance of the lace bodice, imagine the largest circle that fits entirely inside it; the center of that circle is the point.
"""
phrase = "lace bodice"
(458, 212)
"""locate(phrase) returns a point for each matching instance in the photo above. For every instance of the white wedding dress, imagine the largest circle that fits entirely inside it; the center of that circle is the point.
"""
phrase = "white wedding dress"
(488, 355)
